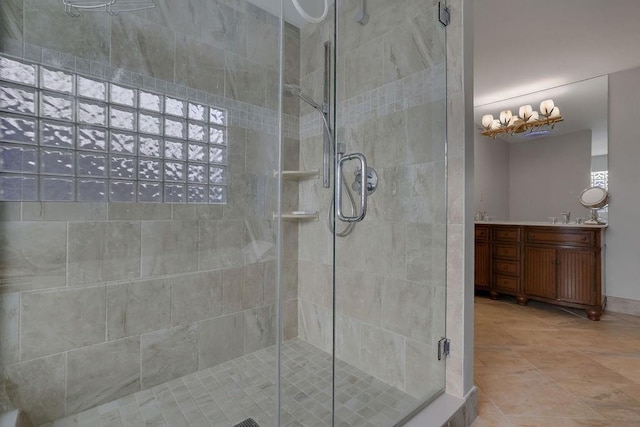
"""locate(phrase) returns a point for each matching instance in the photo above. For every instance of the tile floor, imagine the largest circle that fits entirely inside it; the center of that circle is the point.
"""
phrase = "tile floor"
(245, 387)
(542, 365)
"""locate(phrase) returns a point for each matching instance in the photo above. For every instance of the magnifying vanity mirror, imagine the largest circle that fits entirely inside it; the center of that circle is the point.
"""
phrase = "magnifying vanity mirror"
(594, 198)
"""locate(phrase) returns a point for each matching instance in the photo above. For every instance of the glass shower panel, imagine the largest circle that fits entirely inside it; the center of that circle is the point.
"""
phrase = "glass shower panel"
(138, 184)
(371, 296)
(390, 104)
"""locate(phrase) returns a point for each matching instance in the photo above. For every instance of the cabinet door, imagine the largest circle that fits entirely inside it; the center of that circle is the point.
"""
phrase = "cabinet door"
(576, 276)
(482, 264)
(540, 272)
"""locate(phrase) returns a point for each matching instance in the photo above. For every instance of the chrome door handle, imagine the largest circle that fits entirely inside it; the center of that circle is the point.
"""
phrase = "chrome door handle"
(363, 185)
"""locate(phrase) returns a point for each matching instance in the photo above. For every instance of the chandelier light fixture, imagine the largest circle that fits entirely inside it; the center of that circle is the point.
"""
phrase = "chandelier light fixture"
(527, 120)
(112, 7)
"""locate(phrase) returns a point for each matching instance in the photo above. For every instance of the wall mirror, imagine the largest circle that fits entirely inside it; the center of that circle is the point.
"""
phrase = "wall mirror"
(534, 176)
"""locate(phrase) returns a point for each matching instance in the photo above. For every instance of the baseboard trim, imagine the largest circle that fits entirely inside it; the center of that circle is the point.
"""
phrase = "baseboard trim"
(623, 305)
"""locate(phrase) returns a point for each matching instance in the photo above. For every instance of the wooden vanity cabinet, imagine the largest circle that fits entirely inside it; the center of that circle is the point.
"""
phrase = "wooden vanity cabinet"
(555, 264)
(540, 272)
(576, 272)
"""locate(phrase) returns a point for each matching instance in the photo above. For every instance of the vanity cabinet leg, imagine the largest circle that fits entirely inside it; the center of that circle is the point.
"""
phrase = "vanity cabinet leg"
(594, 314)
(522, 300)
(494, 295)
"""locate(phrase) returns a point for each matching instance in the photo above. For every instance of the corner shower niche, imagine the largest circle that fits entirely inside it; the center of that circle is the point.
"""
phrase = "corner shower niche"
(299, 175)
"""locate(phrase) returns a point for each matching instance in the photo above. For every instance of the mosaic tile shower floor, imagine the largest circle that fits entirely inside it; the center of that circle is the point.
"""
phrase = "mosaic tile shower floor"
(227, 394)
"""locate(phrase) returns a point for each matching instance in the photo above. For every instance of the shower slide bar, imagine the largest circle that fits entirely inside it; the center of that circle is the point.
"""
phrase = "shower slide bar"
(327, 139)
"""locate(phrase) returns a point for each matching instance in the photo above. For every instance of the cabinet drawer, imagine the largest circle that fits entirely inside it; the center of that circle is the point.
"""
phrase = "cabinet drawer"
(507, 283)
(507, 251)
(508, 267)
(482, 233)
(560, 237)
(507, 234)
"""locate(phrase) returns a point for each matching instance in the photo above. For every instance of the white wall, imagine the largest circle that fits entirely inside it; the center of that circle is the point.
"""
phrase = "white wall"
(546, 176)
(491, 176)
(623, 234)
(599, 163)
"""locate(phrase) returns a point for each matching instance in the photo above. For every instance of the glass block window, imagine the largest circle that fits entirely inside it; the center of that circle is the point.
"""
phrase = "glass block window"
(68, 137)
(600, 179)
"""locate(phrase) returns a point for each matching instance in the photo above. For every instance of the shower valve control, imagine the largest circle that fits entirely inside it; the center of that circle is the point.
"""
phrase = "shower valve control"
(372, 180)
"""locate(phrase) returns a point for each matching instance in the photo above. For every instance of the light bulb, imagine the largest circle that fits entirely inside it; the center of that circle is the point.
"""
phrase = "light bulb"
(495, 124)
(505, 117)
(546, 107)
(534, 116)
(487, 119)
(525, 112)
(555, 112)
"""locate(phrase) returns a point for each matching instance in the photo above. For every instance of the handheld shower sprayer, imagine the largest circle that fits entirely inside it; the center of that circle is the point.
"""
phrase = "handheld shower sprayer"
(295, 90)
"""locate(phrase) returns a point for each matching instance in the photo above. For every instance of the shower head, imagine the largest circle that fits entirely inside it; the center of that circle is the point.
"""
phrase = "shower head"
(295, 90)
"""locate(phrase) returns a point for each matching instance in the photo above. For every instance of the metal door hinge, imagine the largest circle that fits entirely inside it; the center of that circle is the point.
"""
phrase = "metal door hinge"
(444, 348)
(444, 15)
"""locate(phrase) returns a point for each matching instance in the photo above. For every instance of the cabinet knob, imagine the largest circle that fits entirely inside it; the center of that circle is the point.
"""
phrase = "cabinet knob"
(532, 236)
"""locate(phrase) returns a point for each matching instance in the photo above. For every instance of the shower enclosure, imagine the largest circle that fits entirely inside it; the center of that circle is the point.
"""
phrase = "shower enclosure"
(171, 252)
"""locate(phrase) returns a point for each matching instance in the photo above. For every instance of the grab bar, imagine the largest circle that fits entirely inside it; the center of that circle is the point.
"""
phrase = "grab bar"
(363, 186)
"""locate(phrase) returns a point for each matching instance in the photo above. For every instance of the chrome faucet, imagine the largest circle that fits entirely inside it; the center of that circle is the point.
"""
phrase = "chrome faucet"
(566, 217)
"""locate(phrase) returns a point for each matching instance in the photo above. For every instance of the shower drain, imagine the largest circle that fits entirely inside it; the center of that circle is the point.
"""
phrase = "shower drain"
(249, 422)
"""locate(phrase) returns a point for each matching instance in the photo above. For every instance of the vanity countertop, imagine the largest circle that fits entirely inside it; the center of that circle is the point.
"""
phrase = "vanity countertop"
(542, 224)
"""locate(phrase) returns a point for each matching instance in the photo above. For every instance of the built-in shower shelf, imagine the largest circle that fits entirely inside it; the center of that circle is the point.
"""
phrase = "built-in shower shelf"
(291, 216)
(300, 175)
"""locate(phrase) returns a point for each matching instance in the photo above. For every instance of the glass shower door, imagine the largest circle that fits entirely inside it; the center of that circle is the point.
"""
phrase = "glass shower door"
(389, 271)
(138, 144)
